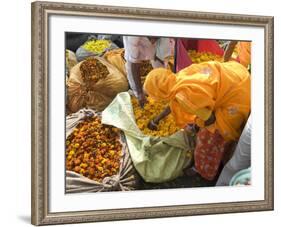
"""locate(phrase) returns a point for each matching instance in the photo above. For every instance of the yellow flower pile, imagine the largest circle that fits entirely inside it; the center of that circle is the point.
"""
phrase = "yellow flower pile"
(235, 52)
(198, 57)
(97, 46)
(166, 126)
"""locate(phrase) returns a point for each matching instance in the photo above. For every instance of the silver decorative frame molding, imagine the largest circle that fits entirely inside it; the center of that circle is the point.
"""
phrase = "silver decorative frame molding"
(40, 206)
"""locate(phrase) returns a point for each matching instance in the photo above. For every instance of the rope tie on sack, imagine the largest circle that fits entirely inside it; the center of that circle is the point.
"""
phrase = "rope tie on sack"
(112, 183)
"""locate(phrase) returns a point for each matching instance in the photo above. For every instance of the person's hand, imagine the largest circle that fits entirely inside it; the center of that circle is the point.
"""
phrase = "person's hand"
(142, 99)
(191, 128)
(152, 125)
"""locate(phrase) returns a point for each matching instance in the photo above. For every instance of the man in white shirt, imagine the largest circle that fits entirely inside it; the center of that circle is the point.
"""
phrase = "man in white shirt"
(138, 49)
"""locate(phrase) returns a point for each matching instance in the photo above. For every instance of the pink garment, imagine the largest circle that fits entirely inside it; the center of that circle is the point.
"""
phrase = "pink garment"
(182, 58)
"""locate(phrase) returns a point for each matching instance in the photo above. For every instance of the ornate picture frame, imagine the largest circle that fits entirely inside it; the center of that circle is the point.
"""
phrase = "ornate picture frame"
(41, 11)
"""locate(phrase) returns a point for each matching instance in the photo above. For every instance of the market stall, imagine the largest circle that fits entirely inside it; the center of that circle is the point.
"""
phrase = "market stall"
(109, 144)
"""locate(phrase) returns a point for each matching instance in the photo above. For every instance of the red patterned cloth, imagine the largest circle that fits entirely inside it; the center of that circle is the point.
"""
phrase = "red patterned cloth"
(208, 153)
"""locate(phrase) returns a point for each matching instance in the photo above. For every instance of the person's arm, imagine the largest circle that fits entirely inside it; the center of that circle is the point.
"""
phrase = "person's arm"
(134, 77)
(229, 50)
(134, 55)
(152, 125)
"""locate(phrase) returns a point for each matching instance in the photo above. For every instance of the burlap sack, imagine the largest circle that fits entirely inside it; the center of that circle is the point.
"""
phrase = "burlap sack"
(116, 58)
(127, 178)
(70, 61)
(96, 97)
(82, 53)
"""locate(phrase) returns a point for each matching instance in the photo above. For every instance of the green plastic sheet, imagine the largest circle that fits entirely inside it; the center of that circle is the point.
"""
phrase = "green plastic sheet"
(157, 159)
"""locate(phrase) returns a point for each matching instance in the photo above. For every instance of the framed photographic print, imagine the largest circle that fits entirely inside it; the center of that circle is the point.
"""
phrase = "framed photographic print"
(149, 113)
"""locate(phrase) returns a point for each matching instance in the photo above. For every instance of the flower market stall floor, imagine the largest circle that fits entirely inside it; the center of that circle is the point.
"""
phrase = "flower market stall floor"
(180, 182)
(187, 180)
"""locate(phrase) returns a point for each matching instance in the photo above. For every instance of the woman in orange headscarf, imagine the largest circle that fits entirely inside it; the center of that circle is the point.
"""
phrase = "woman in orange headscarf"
(200, 92)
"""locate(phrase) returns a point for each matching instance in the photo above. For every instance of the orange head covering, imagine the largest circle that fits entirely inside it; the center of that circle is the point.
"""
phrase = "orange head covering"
(200, 89)
(159, 84)
(184, 95)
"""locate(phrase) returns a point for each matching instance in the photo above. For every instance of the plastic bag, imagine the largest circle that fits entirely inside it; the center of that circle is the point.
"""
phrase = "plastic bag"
(157, 159)
(98, 96)
(82, 53)
(242, 177)
(125, 180)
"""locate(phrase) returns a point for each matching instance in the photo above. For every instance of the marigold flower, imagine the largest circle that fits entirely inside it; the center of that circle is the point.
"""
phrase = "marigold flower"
(166, 127)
